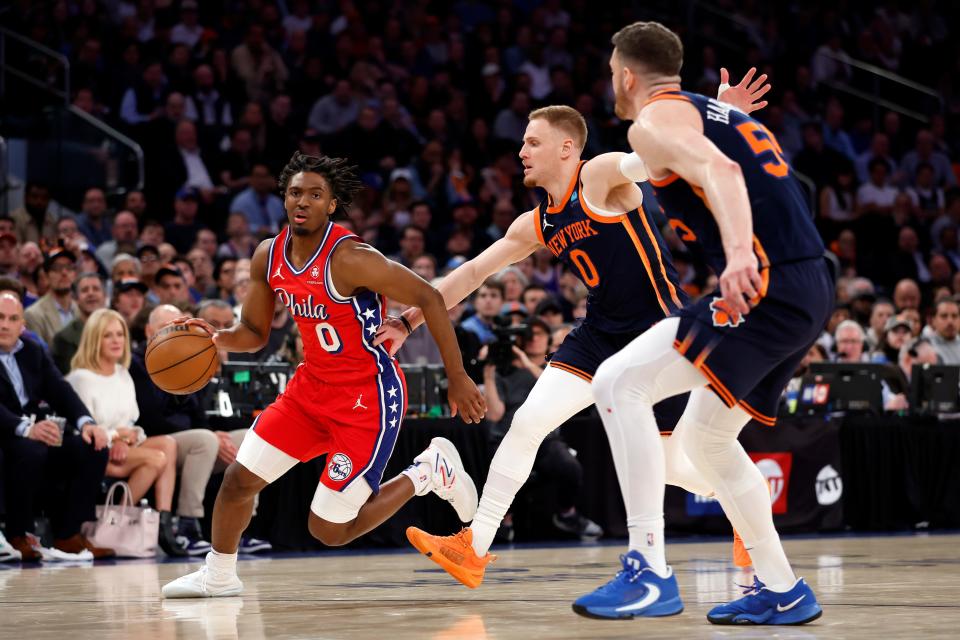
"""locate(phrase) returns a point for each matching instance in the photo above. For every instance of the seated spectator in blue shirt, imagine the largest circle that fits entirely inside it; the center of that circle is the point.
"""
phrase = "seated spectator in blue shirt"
(487, 302)
(93, 220)
(262, 208)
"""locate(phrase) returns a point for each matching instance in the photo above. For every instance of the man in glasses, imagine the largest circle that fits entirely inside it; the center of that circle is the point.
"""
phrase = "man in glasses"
(57, 308)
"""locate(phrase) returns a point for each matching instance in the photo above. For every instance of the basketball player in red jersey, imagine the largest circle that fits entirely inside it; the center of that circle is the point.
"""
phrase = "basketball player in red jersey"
(348, 397)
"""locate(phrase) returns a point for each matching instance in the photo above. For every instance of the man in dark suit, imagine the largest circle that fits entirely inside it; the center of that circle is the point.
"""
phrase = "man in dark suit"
(37, 455)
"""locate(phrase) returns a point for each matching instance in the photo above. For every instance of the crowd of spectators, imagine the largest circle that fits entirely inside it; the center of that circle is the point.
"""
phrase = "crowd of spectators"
(430, 101)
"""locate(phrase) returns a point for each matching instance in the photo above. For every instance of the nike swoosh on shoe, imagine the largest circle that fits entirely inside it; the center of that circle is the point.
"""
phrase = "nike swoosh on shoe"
(791, 605)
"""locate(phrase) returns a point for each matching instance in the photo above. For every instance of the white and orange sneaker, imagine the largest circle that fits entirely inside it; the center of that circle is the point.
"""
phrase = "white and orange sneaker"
(450, 480)
(454, 554)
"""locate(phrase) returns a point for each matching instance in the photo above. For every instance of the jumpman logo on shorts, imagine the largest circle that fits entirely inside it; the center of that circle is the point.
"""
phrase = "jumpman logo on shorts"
(278, 274)
(360, 404)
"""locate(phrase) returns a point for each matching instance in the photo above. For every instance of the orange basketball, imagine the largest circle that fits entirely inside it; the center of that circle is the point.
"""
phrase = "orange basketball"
(181, 359)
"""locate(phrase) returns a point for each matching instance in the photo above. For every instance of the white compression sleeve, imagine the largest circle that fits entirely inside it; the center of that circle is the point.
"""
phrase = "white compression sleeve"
(710, 441)
(680, 471)
(626, 387)
(555, 397)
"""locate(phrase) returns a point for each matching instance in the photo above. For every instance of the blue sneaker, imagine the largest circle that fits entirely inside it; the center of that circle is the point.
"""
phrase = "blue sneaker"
(762, 606)
(636, 590)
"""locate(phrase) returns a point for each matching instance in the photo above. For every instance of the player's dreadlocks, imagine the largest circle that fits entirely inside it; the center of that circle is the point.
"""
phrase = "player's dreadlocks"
(341, 176)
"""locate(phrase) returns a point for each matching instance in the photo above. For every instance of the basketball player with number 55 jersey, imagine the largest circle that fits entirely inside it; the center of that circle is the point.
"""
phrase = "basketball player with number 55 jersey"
(594, 221)
(723, 180)
(348, 397)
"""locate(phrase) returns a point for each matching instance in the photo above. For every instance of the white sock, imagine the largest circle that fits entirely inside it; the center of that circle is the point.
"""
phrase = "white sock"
(646, 537)
(498, 494)
(222, 565)
(421, 475)
(770, 562)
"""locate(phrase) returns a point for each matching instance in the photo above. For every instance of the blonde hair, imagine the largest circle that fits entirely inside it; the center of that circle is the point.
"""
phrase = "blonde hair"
(565, 118)
(88, 352)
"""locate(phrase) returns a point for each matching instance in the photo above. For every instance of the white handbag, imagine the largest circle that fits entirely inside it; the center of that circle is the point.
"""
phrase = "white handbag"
(130, 531)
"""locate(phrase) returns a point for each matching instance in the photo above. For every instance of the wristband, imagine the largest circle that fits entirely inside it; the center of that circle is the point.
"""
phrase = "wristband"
(406, 323)
(633, 168)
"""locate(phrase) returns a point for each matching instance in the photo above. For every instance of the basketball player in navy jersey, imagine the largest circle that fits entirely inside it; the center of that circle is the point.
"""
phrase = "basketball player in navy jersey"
(593, 220)
(347, 398)
(724, 183)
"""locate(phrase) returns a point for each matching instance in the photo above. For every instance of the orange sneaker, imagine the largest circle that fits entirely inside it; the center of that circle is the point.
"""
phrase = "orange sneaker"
(741, 558)
(454, 553)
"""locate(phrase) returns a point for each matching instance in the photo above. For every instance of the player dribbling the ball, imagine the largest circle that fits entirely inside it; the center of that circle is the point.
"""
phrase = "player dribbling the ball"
(348, 397)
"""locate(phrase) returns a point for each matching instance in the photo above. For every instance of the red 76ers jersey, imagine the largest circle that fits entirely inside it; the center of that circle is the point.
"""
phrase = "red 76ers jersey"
(337, 330)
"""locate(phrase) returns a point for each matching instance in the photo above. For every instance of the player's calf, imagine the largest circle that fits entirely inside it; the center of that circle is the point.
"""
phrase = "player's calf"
(240, 484)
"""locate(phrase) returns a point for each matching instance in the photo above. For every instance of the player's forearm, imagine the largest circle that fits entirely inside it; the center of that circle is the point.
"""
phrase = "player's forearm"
(438, 322)
(726, 193)
(454, 288)
(242, 338)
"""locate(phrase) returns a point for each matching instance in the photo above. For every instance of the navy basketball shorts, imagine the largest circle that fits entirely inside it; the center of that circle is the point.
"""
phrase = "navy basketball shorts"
(748, 360)
(585, 348)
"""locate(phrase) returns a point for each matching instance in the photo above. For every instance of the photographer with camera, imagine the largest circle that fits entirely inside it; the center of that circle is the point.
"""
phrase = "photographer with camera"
(511, 365)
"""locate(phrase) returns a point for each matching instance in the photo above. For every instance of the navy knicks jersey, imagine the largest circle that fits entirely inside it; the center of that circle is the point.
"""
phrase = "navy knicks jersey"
(623, 261)
(783, 225)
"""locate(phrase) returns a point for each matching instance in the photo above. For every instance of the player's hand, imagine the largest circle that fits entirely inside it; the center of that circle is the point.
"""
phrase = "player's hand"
(198, 322)
(227, 453)
(391, 329)
(119, 451)
(465, 398)
(740, 282)
(46, 432)
(746, 95)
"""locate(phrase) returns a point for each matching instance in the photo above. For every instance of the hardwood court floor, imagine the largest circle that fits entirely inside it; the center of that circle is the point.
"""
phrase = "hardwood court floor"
(870, 587)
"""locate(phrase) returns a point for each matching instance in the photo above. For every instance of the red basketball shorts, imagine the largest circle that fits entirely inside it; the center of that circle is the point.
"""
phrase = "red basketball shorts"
(355, 424)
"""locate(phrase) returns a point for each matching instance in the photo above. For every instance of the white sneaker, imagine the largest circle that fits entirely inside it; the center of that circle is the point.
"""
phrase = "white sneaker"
(7, 552)
(450, 481)
(199, 585)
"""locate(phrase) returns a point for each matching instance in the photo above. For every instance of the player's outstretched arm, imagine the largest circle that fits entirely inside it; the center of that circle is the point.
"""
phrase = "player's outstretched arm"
(518, 243)
(745, 95)
(359, 266)
(253, 330)
(670, 133)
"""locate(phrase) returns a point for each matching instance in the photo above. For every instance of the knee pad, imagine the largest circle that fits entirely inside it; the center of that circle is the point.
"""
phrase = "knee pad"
(611, 373)
(718, 456)
(710, 426)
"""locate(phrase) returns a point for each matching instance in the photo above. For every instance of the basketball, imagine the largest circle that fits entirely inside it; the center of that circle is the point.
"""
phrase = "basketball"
(181, 359)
